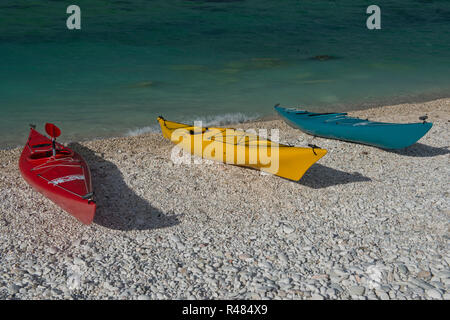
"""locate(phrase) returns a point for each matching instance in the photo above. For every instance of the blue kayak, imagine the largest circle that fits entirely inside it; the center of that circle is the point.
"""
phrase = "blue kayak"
(342, 127)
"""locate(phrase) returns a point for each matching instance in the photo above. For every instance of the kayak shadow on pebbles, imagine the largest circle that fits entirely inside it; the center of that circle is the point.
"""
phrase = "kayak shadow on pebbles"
(118, 206)
(319, 176)
(421, 150)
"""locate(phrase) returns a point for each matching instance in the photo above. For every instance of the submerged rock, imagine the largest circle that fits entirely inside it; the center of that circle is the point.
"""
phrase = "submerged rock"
(254, 64)
(324, 57)
(144, 84)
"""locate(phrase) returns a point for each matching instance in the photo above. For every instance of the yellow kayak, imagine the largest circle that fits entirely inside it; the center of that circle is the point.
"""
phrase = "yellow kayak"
(242, 148)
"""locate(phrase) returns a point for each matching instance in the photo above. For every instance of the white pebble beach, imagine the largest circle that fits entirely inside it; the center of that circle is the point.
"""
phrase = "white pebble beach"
(362, 223)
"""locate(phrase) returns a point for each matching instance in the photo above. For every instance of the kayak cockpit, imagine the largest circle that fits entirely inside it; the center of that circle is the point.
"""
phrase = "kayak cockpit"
(48, 154)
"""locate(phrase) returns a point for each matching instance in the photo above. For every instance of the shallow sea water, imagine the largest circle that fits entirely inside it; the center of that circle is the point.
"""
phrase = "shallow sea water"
(220, 61)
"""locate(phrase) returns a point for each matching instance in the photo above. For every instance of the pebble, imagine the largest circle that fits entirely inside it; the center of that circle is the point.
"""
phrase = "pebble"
(403, 269)
(331, 292)
(425, 275)
(79, 262)
(57, 292)
(195, 270)
(245, 257)
(340, 272)
(285, 281)
(13, 289)
(283, 258)
(230, 269)
(73, 282)
(52, 250)
(356, 290)
(174, 238)
(443, 274)
(438, 285)
(433, 293)
(255, 296)
(382, 294)
(336, 287)
(160, 296)
(141, 237)
(418, 290)
(288, 229)
(285, 286)
(265, 265)
(420, 283)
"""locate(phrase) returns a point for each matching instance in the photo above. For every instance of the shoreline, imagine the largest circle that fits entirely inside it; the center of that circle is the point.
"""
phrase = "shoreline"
(362, 223)
(370, 111)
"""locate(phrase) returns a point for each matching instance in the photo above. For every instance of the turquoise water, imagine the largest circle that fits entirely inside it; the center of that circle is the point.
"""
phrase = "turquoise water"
(222, 61)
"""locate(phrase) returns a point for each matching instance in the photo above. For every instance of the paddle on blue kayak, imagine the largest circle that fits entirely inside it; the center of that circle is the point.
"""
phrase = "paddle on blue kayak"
(342, 127)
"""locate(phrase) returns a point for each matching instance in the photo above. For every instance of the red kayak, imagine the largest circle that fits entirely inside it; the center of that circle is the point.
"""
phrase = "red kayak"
(58, 173)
